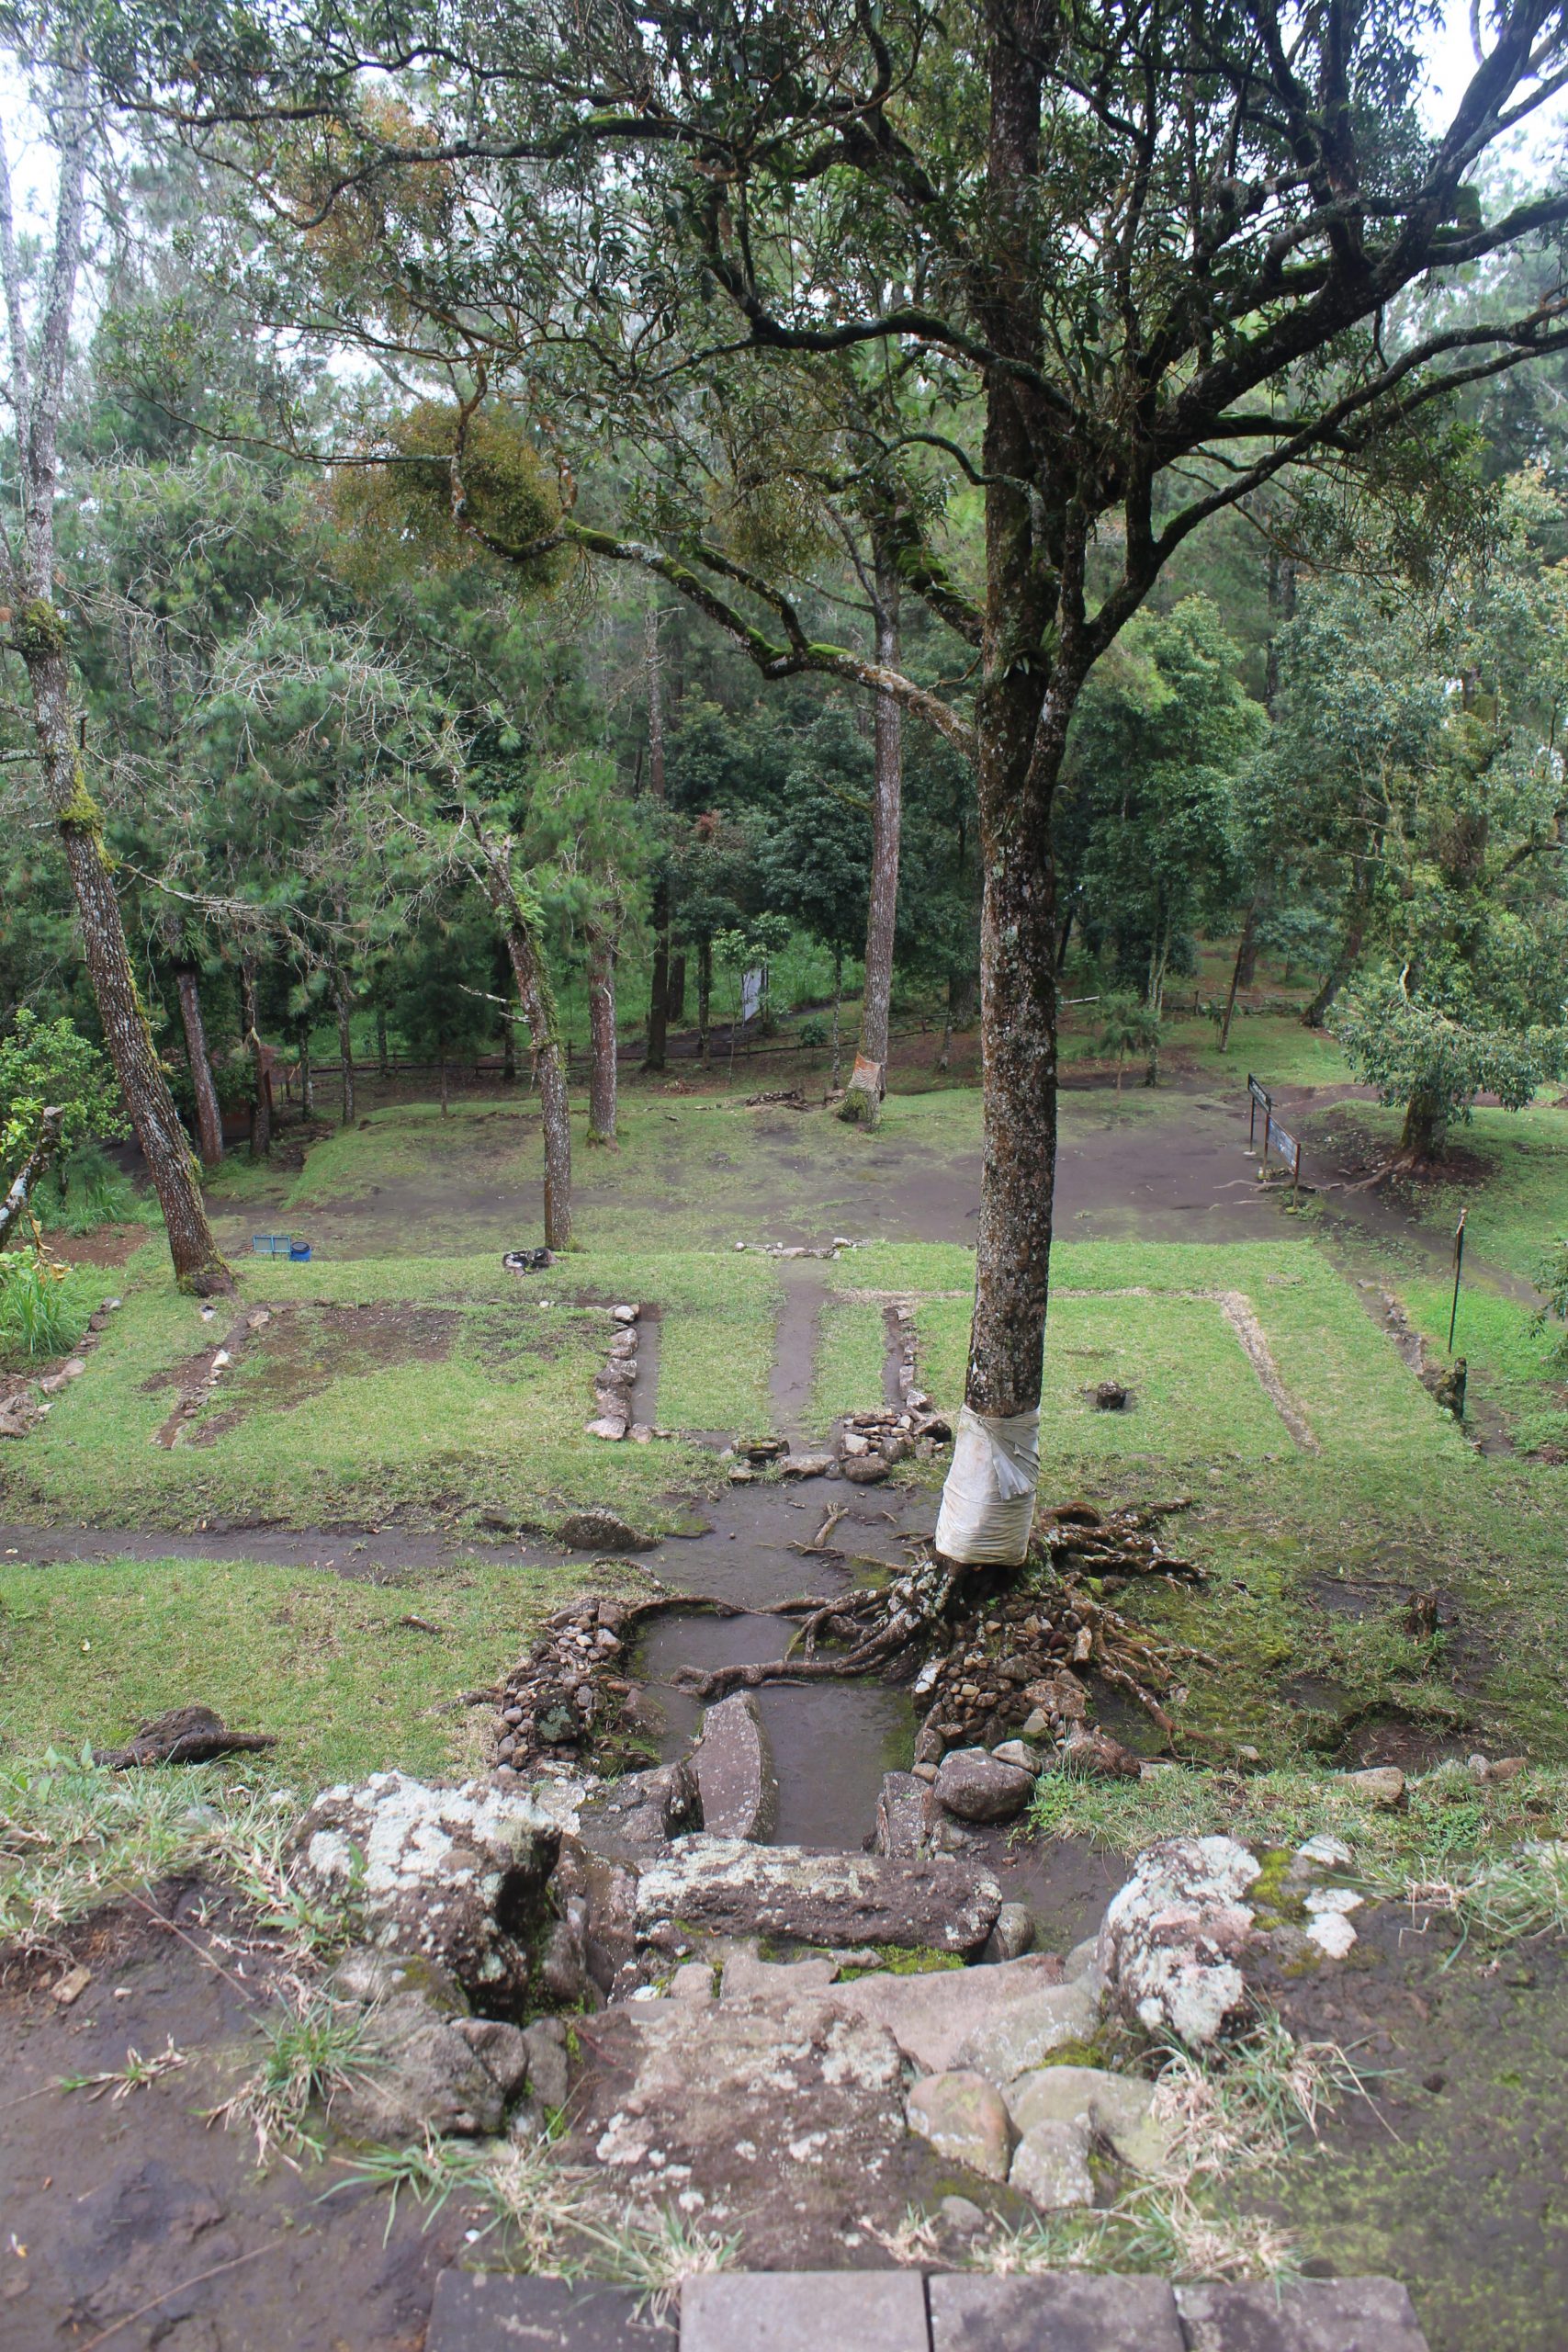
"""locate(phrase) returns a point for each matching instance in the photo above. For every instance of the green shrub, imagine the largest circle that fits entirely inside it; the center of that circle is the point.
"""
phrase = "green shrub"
(85, 1191)
(813, 1033)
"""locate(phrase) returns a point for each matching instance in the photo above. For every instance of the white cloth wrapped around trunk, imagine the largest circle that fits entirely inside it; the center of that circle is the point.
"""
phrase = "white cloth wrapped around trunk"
(987, 1503)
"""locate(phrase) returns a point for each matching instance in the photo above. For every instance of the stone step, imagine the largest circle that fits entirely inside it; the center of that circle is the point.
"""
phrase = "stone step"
(899, 2310)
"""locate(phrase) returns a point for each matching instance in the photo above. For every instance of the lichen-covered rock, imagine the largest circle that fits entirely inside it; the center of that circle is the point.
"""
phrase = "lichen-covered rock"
(965, 2119)
(454, 1873)
(725, 1886)
(1172, 1939)
(1050, 2166)
(778, 2121)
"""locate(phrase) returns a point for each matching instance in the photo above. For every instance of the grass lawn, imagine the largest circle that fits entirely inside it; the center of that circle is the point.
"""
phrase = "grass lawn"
(329, 1664)
(429, 1385)
(399, 1378)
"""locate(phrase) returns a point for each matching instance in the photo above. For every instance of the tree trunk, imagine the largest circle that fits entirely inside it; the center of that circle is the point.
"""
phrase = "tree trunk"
(659, 991)
(32, 1167)
(306, 1077)
(261, 1085)
(344, 1046)
(199, 1264)
(1159, 956)
(1062, 943)
(602, 1072)
(209, 1118)
(658, 986)
(944, 1057)
(536, 1002)
(383, 1065)
(838, 1001)
(704, 1001)
(1426, 1128)
(1034, 560)
(869, 1082)
(677, 999)
(1246, 964)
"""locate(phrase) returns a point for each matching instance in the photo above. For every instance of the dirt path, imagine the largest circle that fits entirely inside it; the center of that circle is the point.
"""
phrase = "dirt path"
(132, 2221)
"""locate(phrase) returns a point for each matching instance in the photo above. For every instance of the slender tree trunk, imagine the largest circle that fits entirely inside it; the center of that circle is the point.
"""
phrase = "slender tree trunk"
(677, 998)
(260, 1086)
(32, 1167)
(869, 1082)
(383, 1065)
(704, 1001)
(209, 1118)
(837, 1005)
(1066, 933)
(1159, 956)
(198, 1263)
(944, 1055)
(344, 1046)
(602, 1072)
(307, 1078)
(508, 1044)
(1344, 963)
(536, 1002)
(446, 1081)
(658, 992)
(1245, 960)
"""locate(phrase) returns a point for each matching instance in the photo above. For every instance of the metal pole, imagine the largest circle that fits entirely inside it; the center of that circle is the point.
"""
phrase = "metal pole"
(1296, 1181)
(1458, 1262)
(1251, 1110)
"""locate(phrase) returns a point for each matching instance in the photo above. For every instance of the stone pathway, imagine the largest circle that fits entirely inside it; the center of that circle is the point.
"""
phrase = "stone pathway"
(900, 2310)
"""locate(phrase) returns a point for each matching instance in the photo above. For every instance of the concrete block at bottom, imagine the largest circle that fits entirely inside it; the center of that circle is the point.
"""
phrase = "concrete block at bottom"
(480, 2311)
(1055, 2313)
(1308, 2316)
(804, 2311)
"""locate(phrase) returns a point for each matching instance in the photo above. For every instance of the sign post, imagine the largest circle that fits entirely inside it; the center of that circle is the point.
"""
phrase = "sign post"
(1458, 1262)
(1258, 1099)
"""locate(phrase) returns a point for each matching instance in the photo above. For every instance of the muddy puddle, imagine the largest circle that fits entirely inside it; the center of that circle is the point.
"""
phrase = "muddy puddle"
(831, 1741)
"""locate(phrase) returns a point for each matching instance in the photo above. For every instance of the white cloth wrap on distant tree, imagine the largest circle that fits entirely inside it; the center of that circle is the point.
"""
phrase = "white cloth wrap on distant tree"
(987, 1503)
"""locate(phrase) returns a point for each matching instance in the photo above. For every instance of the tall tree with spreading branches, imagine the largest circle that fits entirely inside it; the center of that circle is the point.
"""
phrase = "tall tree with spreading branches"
(1148, 262)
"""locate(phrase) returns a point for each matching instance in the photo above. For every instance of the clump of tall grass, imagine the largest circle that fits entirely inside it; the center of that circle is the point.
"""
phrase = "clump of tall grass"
(43, 1307)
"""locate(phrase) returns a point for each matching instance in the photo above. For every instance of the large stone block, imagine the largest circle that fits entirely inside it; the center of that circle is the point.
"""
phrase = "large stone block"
(1308, 2316)
(726, 1886)
(931, 2016)
(1055, 2313)
(804, 2311)
(735, 1772)
(478, 2311)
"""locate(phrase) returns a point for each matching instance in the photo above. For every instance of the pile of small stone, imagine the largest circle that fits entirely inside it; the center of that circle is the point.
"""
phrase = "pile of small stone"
(570, 1691)
(613, 1388)
(1009, 1668)
(870, 1443)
